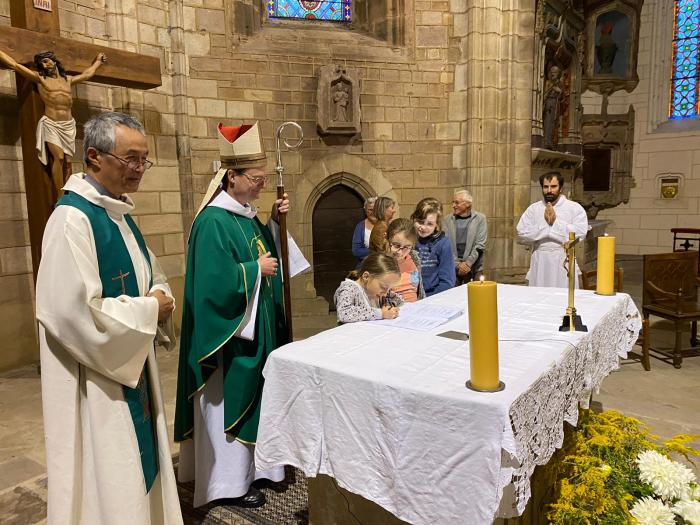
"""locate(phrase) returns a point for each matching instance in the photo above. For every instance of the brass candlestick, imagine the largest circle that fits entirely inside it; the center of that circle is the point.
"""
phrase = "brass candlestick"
(572, 321)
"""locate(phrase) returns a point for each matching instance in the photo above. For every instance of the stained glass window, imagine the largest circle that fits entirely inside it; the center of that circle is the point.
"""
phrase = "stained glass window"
(330, 10)
(685, 91)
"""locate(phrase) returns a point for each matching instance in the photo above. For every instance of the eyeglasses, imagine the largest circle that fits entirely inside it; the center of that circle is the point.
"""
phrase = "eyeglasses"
(399, 247)
(260, 179)
(132, 162)
(384, 287)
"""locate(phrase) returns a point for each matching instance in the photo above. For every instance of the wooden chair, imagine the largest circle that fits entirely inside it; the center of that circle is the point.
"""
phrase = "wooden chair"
(670, 291)
(690, 238)
(588, 279)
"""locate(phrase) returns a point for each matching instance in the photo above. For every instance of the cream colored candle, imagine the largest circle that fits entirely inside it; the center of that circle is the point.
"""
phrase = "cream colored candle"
(605, 280)
(483, 335)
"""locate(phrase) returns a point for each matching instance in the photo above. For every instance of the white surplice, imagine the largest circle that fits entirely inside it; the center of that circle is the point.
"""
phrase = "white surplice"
(221, 466)
(90, 348)
(548, 256)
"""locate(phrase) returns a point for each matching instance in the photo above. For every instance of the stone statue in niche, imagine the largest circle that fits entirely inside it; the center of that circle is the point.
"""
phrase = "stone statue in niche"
(338, 99)
(551, 106)
(341, 99)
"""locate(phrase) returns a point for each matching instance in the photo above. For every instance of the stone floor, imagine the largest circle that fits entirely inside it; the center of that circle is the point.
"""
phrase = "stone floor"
(666, 399)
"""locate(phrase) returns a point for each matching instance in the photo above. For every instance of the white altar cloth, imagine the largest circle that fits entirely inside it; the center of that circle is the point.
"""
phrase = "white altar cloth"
(385, 410)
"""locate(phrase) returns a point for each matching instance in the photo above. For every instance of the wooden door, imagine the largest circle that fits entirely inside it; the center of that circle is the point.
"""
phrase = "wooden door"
(335, 216)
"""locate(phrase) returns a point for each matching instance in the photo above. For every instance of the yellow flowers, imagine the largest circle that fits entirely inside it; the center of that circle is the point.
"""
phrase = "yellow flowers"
(595, 473)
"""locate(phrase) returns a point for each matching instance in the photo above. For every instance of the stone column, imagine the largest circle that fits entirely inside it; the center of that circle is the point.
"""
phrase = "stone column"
(493, 95)
(178, 63)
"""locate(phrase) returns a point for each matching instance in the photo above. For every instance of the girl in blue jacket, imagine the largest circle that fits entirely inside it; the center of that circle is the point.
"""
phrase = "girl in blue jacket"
(434, 248)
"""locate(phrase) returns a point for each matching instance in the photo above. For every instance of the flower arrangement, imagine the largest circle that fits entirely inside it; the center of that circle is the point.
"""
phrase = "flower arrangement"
(612, 470)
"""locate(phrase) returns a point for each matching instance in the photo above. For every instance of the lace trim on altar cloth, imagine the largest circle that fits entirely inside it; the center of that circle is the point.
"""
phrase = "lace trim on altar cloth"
(538, 415)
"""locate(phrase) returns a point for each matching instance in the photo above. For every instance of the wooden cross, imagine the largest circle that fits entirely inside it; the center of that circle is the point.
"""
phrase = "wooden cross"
(34, 30)
(121, 278)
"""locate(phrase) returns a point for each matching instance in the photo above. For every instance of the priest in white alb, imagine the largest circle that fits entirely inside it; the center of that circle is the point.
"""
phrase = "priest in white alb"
(546, 225)
(101, 302)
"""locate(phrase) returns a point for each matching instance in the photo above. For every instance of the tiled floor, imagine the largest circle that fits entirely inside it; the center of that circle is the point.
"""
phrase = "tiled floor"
(665, 398)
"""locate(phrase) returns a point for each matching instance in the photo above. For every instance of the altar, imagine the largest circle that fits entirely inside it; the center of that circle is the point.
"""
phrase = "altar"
(385, 411)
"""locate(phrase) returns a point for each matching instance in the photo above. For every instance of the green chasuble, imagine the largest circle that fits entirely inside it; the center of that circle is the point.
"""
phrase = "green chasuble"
(118, 278)
(222, 267)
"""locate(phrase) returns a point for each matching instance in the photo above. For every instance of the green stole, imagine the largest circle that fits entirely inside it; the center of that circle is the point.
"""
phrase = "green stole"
(118, 278)
(222, 268)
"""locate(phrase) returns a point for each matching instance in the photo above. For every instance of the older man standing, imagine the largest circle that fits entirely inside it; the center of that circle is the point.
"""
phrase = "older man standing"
(100, 299)
(546, 225)
(468, 232)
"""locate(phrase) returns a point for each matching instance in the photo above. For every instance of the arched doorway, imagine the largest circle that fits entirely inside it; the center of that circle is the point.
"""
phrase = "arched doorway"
(335, 215)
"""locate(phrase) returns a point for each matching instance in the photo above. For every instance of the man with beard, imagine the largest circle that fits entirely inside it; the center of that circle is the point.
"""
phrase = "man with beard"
(546, 225)
(56, 129)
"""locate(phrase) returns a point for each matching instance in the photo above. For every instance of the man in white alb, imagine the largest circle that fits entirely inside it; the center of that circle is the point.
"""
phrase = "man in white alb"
(546, 225)
(101, 300)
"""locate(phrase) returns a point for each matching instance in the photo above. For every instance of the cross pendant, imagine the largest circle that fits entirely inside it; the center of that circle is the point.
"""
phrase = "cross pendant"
(121, 277)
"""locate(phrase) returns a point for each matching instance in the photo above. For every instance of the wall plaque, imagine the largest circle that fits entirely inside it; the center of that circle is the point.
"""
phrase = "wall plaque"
(44, 5)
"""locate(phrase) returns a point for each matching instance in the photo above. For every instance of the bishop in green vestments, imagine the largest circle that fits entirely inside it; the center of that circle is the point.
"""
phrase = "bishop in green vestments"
(233, 318)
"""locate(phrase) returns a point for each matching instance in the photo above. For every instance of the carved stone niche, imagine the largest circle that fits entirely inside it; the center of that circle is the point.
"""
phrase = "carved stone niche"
(612, 42)
(338, 101)
(556, 124)
(605, 178)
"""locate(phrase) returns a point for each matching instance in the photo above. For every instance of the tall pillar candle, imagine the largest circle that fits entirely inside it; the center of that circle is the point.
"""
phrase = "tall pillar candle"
(605, 279)
(483, 336)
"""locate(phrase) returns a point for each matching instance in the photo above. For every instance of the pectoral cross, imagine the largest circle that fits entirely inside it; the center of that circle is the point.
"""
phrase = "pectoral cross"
(121, 277)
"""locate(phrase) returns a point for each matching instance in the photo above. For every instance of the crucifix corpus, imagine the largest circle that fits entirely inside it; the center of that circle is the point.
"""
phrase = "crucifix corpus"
(55, 130)
(49, 96)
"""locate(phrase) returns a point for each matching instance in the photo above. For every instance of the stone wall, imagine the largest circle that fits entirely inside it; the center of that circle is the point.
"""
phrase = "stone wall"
(445, 103)
(660, 146)
(119, 24)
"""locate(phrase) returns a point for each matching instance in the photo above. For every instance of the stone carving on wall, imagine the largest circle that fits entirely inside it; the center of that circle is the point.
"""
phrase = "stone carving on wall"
(551, 113)
(556, 123)
(612, 42)
(338, 99)
(605, 178)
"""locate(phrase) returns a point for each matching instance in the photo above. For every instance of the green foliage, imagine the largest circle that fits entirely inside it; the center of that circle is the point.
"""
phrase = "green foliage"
(596, 477)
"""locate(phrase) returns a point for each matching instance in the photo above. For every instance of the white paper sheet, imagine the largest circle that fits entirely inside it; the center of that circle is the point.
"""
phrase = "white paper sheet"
(422, 316)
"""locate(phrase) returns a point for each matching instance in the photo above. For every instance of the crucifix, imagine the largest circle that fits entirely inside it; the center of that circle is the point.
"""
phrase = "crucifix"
(121, 278)
(37, 29)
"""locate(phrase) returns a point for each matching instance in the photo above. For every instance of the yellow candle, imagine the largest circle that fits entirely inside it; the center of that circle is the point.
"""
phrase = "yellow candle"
(605, 284)
(483, 335)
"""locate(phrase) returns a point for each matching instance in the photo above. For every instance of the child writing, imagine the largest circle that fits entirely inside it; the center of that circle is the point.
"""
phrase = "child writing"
(362, 295)
(401, 237)
(434, 248)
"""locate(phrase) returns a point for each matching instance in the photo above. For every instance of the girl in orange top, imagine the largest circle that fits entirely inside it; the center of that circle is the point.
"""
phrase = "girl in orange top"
(401, 241)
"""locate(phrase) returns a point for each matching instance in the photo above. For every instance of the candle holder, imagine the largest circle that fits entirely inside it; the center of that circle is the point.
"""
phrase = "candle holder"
(572, 321)
(501, 386)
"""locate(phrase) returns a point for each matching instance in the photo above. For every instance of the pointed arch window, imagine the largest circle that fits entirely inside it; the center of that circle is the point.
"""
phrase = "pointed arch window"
(685, 80)
(328, 10)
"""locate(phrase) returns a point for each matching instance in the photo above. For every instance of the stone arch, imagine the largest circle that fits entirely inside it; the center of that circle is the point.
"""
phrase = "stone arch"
(322, 174)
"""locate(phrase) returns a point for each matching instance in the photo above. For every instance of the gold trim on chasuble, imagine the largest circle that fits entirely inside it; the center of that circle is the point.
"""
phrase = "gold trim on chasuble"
(262, 250)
